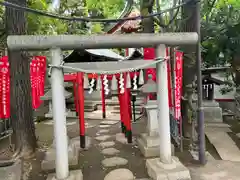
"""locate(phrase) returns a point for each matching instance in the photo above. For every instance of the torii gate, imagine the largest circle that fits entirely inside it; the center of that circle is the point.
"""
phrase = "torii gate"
(67, 42)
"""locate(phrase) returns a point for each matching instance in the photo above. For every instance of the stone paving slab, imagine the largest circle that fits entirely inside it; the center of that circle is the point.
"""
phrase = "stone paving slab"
(216, 170)
(217, 125)
(12, 172)
(224, 145)
(196, 157)
(119, 174)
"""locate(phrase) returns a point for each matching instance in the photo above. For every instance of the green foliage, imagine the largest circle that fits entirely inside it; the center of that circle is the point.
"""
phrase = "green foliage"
(43, 25)
(220, 22)
(90, 8)
(106, 8)
(220, 31)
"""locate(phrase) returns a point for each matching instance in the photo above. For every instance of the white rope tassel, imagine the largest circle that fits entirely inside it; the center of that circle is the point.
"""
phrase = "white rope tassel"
(99, 83)
(135, 82)
(128, 85)
(141, 78)
(105, 83)
(121, 84)
(91, 86)
(114, 83)
(86, 82)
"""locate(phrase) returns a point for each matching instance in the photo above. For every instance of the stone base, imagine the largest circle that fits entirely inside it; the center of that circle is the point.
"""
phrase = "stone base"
(75, 142)
(174, 171)
(149, 145)
(212, 112)
(73, 153)
(73, 175)
(48, 162)
(11, 172)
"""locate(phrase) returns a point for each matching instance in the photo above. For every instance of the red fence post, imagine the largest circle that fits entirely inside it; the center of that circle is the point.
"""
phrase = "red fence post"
(120, 97)
(81, 109)
(127, 117)
(75, 94)
(103, 100)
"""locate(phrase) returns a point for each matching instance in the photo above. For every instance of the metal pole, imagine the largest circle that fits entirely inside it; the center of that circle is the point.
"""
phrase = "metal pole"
(163, 108)
(59, 116)
(200, 115)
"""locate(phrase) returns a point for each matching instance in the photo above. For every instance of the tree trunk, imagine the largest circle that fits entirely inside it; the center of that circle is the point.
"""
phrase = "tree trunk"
(146, 9)
(189, 68)
(147, 23)
(20, 91)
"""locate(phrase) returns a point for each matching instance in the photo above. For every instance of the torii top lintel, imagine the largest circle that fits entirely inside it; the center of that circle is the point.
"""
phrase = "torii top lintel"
(69, 42)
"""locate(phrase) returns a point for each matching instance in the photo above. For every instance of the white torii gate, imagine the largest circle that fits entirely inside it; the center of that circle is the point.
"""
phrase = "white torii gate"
(68, 42)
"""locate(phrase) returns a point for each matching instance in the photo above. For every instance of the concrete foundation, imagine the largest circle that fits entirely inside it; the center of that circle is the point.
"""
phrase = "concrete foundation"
(212, 111)
(73, 175)
(48, 162)
(174, 171)
(11, 172)
(149, 145)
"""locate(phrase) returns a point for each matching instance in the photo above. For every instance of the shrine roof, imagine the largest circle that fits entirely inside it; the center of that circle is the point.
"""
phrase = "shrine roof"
(214, 69)
(136, 54)
(98, 55)
(92, 55)
(209, 79)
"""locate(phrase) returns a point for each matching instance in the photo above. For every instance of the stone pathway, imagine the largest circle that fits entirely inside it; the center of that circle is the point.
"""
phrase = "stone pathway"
(107, 143)
(109, 150)
(109, 156)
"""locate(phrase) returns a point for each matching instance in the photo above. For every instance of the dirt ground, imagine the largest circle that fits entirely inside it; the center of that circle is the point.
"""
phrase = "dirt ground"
(90, 160)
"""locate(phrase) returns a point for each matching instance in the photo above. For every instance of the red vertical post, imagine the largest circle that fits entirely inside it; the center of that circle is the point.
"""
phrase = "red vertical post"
(81, 109)
(121, 110)
(75, 90)
(129, 102)
(129, 96)
(125, 103)
(103, 101)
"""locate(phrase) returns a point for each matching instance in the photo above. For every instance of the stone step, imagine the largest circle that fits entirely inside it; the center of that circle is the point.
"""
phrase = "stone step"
(86, 106)
(116, 103)
(137, 108)
(118, 112)
(85, 110)
(86, 102)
